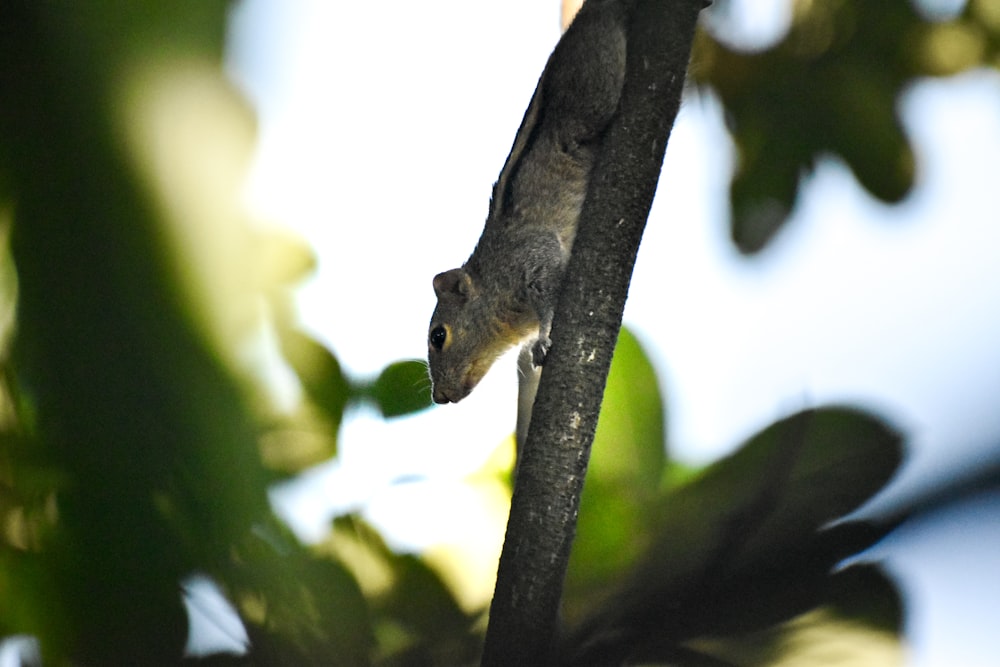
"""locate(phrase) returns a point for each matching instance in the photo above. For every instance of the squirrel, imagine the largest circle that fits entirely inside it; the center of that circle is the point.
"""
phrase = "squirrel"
(505, 293)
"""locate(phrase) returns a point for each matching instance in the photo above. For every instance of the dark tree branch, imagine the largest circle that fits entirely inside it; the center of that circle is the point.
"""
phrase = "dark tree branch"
(546, 500)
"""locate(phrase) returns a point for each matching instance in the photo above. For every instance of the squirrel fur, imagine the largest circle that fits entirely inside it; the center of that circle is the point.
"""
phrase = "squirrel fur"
(505, 293)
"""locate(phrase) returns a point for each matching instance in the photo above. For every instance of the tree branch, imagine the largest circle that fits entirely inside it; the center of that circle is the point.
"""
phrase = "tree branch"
(546, 500)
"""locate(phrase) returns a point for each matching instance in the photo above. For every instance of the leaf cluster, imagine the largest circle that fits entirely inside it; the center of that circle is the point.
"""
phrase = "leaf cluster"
(830, 87)
(674, 565)
(135, 453)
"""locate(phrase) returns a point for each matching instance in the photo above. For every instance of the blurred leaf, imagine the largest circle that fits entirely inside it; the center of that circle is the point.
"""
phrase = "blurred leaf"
(319, 372)
(630, 443)
(831, 87)
(26, 596)
(795, 476)
(421, 602)
(863, 593)
(147, 437)
(416, 617)
(299, 607)
(744, 545)
(286, 259)
(292, 445)
(623, 479)
(401, 389)
(857, 623)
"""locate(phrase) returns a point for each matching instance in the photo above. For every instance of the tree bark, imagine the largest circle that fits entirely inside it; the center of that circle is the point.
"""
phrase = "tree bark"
(542, 522)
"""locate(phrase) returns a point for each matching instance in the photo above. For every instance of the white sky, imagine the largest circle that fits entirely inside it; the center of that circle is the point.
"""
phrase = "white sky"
(383, 127)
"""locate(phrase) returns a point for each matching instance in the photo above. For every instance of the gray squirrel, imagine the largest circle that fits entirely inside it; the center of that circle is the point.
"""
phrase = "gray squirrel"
(505, 293)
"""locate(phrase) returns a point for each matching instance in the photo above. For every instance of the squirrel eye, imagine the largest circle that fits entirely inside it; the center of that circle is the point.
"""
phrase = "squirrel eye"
(437, 337)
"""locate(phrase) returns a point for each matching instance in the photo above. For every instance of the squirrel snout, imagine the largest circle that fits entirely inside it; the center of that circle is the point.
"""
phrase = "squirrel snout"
(439, 396)
(452, 392)
(454, 396)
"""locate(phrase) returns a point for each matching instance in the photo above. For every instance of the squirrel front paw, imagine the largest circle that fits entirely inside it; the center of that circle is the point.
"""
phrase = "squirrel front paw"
(539, 350)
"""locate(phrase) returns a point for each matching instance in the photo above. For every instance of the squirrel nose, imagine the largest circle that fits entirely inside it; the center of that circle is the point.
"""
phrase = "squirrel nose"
(439, 396)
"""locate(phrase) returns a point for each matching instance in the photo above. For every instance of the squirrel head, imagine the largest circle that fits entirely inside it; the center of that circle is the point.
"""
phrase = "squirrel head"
(469, 330)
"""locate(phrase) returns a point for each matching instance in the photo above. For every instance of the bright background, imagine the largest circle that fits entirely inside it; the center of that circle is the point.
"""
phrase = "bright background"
(382, 128)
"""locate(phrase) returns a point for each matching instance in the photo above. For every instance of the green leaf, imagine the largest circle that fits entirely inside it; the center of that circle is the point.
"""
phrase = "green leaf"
(132, 408)
(416, 617)
(831, 87)
(420, 602)
(857, 623)
(402, 388)
(623, 479)
(298, 606)
(866, 595)
(28, 600)
(319, 372)
(744, 545)
(630, 444)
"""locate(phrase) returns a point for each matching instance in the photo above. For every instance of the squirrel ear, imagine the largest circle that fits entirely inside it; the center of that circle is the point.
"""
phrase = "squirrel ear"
(455, 281)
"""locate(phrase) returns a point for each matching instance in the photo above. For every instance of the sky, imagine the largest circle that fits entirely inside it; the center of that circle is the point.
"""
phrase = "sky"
(382, 128)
